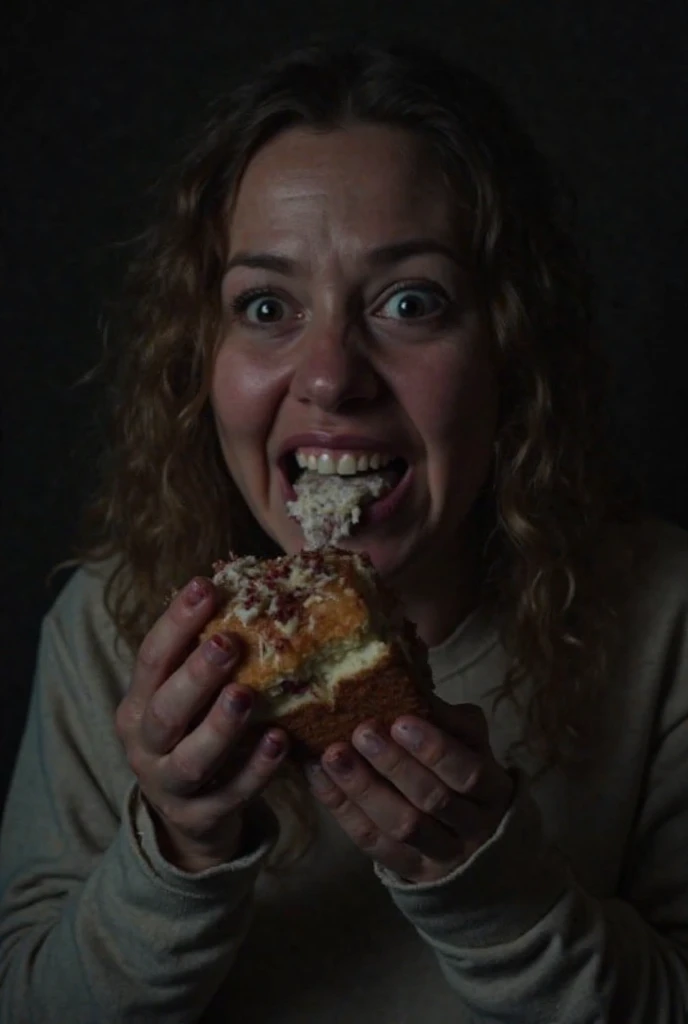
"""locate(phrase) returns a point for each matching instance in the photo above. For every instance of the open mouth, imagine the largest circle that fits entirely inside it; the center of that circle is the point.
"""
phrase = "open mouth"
(346, 465)
(333, 493)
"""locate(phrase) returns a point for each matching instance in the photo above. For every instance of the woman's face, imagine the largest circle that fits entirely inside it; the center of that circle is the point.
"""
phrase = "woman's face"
(350, 326)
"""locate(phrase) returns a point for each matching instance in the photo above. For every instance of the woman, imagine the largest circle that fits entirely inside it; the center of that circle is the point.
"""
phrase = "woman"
(364, 254)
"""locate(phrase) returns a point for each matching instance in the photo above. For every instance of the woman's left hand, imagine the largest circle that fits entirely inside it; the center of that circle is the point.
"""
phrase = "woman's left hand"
(421, 799)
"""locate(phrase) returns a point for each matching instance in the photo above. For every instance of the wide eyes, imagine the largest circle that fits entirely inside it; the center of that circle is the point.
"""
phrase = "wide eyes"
(413, 304)
(265, 308)
(261, 308)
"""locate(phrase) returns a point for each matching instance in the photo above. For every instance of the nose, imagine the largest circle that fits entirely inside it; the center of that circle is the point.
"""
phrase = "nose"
(334, 372)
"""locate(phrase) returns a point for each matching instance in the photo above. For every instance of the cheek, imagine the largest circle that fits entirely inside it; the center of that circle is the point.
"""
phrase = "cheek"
(245, 398)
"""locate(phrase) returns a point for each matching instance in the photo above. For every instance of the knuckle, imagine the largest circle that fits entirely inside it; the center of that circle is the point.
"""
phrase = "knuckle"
(436, 801)
(360, 788)
(364, 834)
(162, 719)
(187, 770)
(472, 776)
(406, 827)
(435, 753)
(150, 653)
(136, 760)
(333, 798)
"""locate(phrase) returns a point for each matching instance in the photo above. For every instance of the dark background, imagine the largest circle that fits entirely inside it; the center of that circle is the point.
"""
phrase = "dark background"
(99, 98)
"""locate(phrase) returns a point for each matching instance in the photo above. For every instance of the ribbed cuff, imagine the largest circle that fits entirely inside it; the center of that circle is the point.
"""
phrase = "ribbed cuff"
(498, 894)
(261, 831)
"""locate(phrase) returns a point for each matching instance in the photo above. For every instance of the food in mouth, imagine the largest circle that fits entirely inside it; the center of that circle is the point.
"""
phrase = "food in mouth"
(333, 488)
(326, 644)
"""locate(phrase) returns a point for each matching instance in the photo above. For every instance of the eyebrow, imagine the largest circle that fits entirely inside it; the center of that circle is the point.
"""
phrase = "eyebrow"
(383, 256)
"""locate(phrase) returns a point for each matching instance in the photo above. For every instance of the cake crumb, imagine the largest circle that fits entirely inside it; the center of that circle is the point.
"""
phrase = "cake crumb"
(327, 507)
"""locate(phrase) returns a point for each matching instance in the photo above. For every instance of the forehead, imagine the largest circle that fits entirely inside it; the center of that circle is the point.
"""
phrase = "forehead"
(367, 181)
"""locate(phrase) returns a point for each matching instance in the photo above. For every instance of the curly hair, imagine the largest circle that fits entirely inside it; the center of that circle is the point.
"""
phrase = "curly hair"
(167, 506)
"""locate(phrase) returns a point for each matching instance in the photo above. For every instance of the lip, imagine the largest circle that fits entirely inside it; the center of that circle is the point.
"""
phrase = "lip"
(337, 442)
(383, 508)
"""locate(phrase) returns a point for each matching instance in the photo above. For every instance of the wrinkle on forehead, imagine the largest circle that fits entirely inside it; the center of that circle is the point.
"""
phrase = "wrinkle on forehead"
(316, 196)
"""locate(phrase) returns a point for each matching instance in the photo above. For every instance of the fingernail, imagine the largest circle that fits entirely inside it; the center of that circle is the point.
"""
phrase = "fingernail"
(238, 701)
(369, 742)
(196, 591)
(410, 735)
(219, 650)
(272, 746)
(343, 763)
(316, 776)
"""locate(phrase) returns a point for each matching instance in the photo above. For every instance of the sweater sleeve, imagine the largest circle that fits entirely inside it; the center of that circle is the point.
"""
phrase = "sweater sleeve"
(519, 939)
(94, 924)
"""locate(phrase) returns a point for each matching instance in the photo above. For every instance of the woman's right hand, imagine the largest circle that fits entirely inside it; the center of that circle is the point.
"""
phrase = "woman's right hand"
(184, 729)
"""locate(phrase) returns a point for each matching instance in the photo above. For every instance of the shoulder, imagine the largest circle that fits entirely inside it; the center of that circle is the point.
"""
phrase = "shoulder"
(81, 603)
(79, 628)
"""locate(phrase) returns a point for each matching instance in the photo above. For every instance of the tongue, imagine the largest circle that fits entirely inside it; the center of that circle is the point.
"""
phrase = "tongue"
(327, 507)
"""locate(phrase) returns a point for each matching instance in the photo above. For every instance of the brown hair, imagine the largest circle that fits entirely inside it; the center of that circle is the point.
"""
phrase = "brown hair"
(167, 506)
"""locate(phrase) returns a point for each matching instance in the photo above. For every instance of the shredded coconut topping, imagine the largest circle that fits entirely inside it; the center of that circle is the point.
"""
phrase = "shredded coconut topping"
(282, 587)
(327, 507)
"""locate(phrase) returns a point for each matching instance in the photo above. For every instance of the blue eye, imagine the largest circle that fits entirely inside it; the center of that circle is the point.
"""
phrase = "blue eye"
(413, 304)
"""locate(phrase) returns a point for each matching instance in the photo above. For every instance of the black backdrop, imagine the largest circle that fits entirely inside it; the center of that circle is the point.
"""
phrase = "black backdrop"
(100, 97)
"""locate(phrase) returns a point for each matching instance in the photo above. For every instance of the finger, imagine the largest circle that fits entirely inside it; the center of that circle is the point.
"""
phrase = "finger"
(261, 767)
(388, 809)
(188, 691)
(403, 860)
(199, 755)
(167, 643)
(418, 784)
(471, 773)
(206, 815)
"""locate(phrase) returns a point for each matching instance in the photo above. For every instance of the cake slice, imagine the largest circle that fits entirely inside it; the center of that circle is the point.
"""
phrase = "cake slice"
(326, 645)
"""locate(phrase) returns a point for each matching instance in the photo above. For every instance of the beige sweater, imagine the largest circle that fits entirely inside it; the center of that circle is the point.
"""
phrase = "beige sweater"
(575, 912)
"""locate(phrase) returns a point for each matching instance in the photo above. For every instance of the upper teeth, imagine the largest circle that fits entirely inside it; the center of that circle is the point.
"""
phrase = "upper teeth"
(344, 463)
